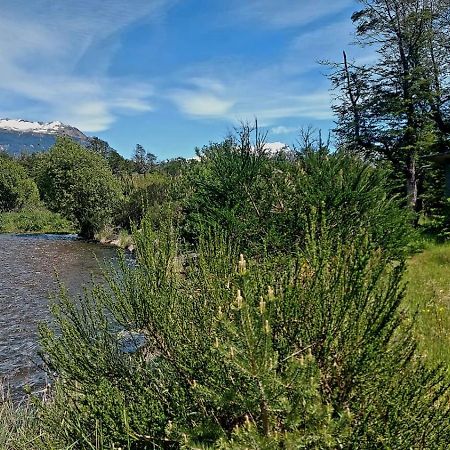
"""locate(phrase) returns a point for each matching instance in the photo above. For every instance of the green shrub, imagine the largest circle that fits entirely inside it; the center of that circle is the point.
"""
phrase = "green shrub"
(17, 191)
(353, 195)
(34, 221)
(236, 187)
(263, 201)
(147, 194)
(305, 351)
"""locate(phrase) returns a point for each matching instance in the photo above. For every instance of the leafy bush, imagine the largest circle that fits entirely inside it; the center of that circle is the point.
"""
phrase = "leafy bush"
(144, 194)
(17, 191)
(79, 184)
(307, 351)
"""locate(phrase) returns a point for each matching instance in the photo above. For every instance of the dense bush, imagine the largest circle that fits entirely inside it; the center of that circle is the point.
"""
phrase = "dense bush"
(79, 184)
(353, 194)
(17, 190)
(148, 194)
(263, 200)
(230, 189)
(307, 351)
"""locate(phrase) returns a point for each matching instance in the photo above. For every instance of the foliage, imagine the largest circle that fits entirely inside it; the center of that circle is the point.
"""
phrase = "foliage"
(262, 200)
(17, 190)
(32, 163)
(79, 184)
(118, 164)
(309, 351)
(19, 425)
(143, 161)
(354, 195)
(397, 108)
(34, 221)
(230, 192)
(144, 194)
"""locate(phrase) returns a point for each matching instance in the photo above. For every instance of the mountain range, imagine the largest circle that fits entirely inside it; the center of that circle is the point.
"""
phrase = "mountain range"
(18, 135)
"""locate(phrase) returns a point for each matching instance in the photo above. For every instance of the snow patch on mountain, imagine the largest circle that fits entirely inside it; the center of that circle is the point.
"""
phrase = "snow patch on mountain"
(275, 147)
(24, 136)
(26, 126)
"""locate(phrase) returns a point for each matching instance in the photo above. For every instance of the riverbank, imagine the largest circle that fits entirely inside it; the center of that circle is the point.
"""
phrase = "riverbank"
(122, 239)
(35, 221)
(21, 427)
(43, 221)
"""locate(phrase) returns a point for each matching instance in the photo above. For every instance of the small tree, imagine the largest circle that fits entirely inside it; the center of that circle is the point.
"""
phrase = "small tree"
(79, 184)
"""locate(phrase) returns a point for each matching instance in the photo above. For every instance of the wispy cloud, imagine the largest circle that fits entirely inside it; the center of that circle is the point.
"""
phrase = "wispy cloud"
(201, 104)
(202, 97)
(281, 129)
(290, 85)
(243, 98)
(43, 42)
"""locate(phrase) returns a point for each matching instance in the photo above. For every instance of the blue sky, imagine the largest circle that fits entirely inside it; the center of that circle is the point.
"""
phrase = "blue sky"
(172, 75)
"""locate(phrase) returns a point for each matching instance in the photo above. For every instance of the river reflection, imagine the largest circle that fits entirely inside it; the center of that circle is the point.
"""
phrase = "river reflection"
(28, 264)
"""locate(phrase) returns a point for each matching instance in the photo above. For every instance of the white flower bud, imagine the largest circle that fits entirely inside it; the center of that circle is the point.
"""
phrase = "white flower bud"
(242, 264)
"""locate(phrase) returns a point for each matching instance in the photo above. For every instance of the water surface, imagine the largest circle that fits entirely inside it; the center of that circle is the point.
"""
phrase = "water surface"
(28, 264)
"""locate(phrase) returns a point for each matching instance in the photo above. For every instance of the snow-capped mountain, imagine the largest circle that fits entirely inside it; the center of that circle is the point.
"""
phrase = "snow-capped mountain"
(17, 135)
(273, 148)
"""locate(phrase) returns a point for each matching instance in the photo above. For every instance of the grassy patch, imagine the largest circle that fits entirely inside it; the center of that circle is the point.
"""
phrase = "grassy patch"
(428, 294)
(19, 427)
(34, 221)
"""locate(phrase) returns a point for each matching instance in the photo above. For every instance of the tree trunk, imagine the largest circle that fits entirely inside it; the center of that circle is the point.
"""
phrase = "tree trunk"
(412, 184)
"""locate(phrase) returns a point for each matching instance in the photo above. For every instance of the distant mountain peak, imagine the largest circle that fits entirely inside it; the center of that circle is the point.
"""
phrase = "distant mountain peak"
(18, 135)
(27, 126)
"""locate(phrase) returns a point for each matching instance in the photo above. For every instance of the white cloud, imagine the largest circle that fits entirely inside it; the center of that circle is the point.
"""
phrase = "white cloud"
(265, 94)
(281, 129)
(196, 103)
(43, 42)
(204, 97)
(290, 86)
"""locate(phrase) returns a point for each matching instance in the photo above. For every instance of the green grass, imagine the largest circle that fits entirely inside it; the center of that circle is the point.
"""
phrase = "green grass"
(428, 294)
(34, 221)
(19, 427)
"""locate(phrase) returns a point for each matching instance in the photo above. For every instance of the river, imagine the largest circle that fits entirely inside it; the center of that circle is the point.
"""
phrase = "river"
(28, 264)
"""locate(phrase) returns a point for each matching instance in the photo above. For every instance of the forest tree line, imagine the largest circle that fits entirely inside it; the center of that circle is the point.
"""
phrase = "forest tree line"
(392, 113)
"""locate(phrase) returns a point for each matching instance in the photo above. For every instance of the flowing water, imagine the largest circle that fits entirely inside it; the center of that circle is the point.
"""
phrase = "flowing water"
(28, 264)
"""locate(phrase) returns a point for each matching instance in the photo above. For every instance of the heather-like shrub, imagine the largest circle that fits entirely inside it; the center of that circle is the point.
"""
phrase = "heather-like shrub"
(216, 350)
(263, 200)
